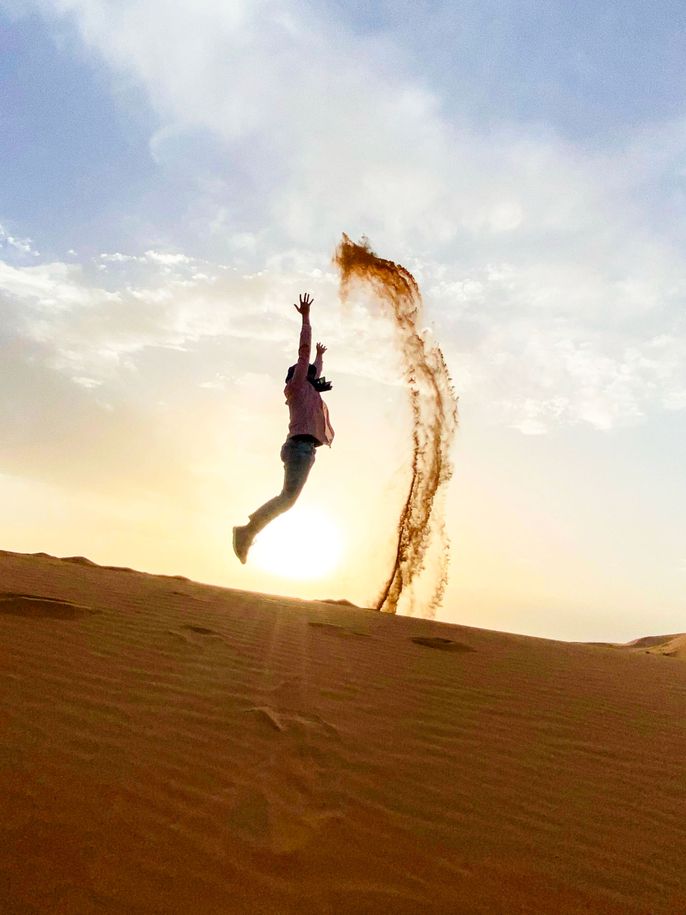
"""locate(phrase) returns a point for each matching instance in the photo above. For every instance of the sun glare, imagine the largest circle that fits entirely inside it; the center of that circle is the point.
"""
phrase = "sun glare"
(303, 543)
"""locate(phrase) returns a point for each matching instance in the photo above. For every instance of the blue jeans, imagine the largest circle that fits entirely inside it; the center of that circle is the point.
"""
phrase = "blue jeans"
(298, 458)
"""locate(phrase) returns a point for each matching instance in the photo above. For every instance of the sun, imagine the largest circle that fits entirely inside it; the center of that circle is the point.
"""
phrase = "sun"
(304, 543)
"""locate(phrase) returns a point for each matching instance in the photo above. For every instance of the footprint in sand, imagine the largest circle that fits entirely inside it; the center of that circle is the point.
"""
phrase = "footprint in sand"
(339, 630)
(282, 822)
(193, 634)
(201, 630)
(291, 721)
(441, 644)
(33, 606)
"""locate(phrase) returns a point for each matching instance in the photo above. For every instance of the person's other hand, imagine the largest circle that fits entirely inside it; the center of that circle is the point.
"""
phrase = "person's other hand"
(305, 302)
(321, 349)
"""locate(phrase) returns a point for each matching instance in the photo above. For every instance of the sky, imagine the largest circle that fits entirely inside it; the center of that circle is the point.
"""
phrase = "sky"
(174, 175)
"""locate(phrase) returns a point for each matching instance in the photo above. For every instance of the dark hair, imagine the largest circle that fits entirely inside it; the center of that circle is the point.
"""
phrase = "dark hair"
(319, 384)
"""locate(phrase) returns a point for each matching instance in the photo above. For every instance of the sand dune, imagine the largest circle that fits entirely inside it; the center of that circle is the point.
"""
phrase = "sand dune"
(671, 646)
(174, 747)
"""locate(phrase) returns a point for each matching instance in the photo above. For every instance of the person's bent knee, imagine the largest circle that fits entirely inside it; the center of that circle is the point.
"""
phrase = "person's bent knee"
(288, 499)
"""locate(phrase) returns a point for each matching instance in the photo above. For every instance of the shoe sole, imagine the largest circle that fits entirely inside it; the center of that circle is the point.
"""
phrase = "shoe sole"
(240, 558)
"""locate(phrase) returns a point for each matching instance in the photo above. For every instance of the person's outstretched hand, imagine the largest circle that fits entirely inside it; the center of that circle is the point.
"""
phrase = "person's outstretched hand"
(321, 349)
(305, 302)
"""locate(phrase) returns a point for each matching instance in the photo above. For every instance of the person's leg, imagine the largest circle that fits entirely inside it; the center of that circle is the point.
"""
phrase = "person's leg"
(298, 458)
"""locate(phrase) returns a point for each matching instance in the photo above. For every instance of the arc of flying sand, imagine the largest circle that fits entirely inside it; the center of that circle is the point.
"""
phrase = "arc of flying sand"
(433, 406)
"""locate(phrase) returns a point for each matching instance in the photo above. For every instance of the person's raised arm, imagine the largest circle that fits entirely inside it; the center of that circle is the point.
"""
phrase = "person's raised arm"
(305, 347)
(319, 359)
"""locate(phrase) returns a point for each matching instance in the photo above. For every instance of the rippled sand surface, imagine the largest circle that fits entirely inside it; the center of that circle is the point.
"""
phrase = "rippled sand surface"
(171, 747)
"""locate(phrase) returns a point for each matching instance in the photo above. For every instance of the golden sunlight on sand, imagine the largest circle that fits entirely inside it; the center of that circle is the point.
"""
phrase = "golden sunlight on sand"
(171, 747)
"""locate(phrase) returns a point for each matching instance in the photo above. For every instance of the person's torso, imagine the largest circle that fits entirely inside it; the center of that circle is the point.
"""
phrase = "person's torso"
(308, 413)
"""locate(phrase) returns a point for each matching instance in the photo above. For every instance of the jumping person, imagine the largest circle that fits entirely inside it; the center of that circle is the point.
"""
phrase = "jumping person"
(309, 428)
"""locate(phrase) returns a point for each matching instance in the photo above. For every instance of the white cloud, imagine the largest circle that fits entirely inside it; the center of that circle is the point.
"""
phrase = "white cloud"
(20, 245)
(86, 382)
(164, 258)
(117, 257)
(55, 286)
(167, 259)
(555, 284)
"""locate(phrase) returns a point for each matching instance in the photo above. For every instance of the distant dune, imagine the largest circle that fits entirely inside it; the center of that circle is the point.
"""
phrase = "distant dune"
(671, 646)
(171, 747)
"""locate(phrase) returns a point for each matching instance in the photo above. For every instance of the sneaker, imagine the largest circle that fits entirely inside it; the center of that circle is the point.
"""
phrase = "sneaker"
(241, 543)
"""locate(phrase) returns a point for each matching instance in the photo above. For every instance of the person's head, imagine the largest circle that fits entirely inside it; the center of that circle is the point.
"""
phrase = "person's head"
(311, 372)
(319, 384)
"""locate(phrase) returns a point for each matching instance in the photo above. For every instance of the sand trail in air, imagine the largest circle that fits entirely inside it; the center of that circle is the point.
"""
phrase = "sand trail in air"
(179, 747)
(433, 409)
